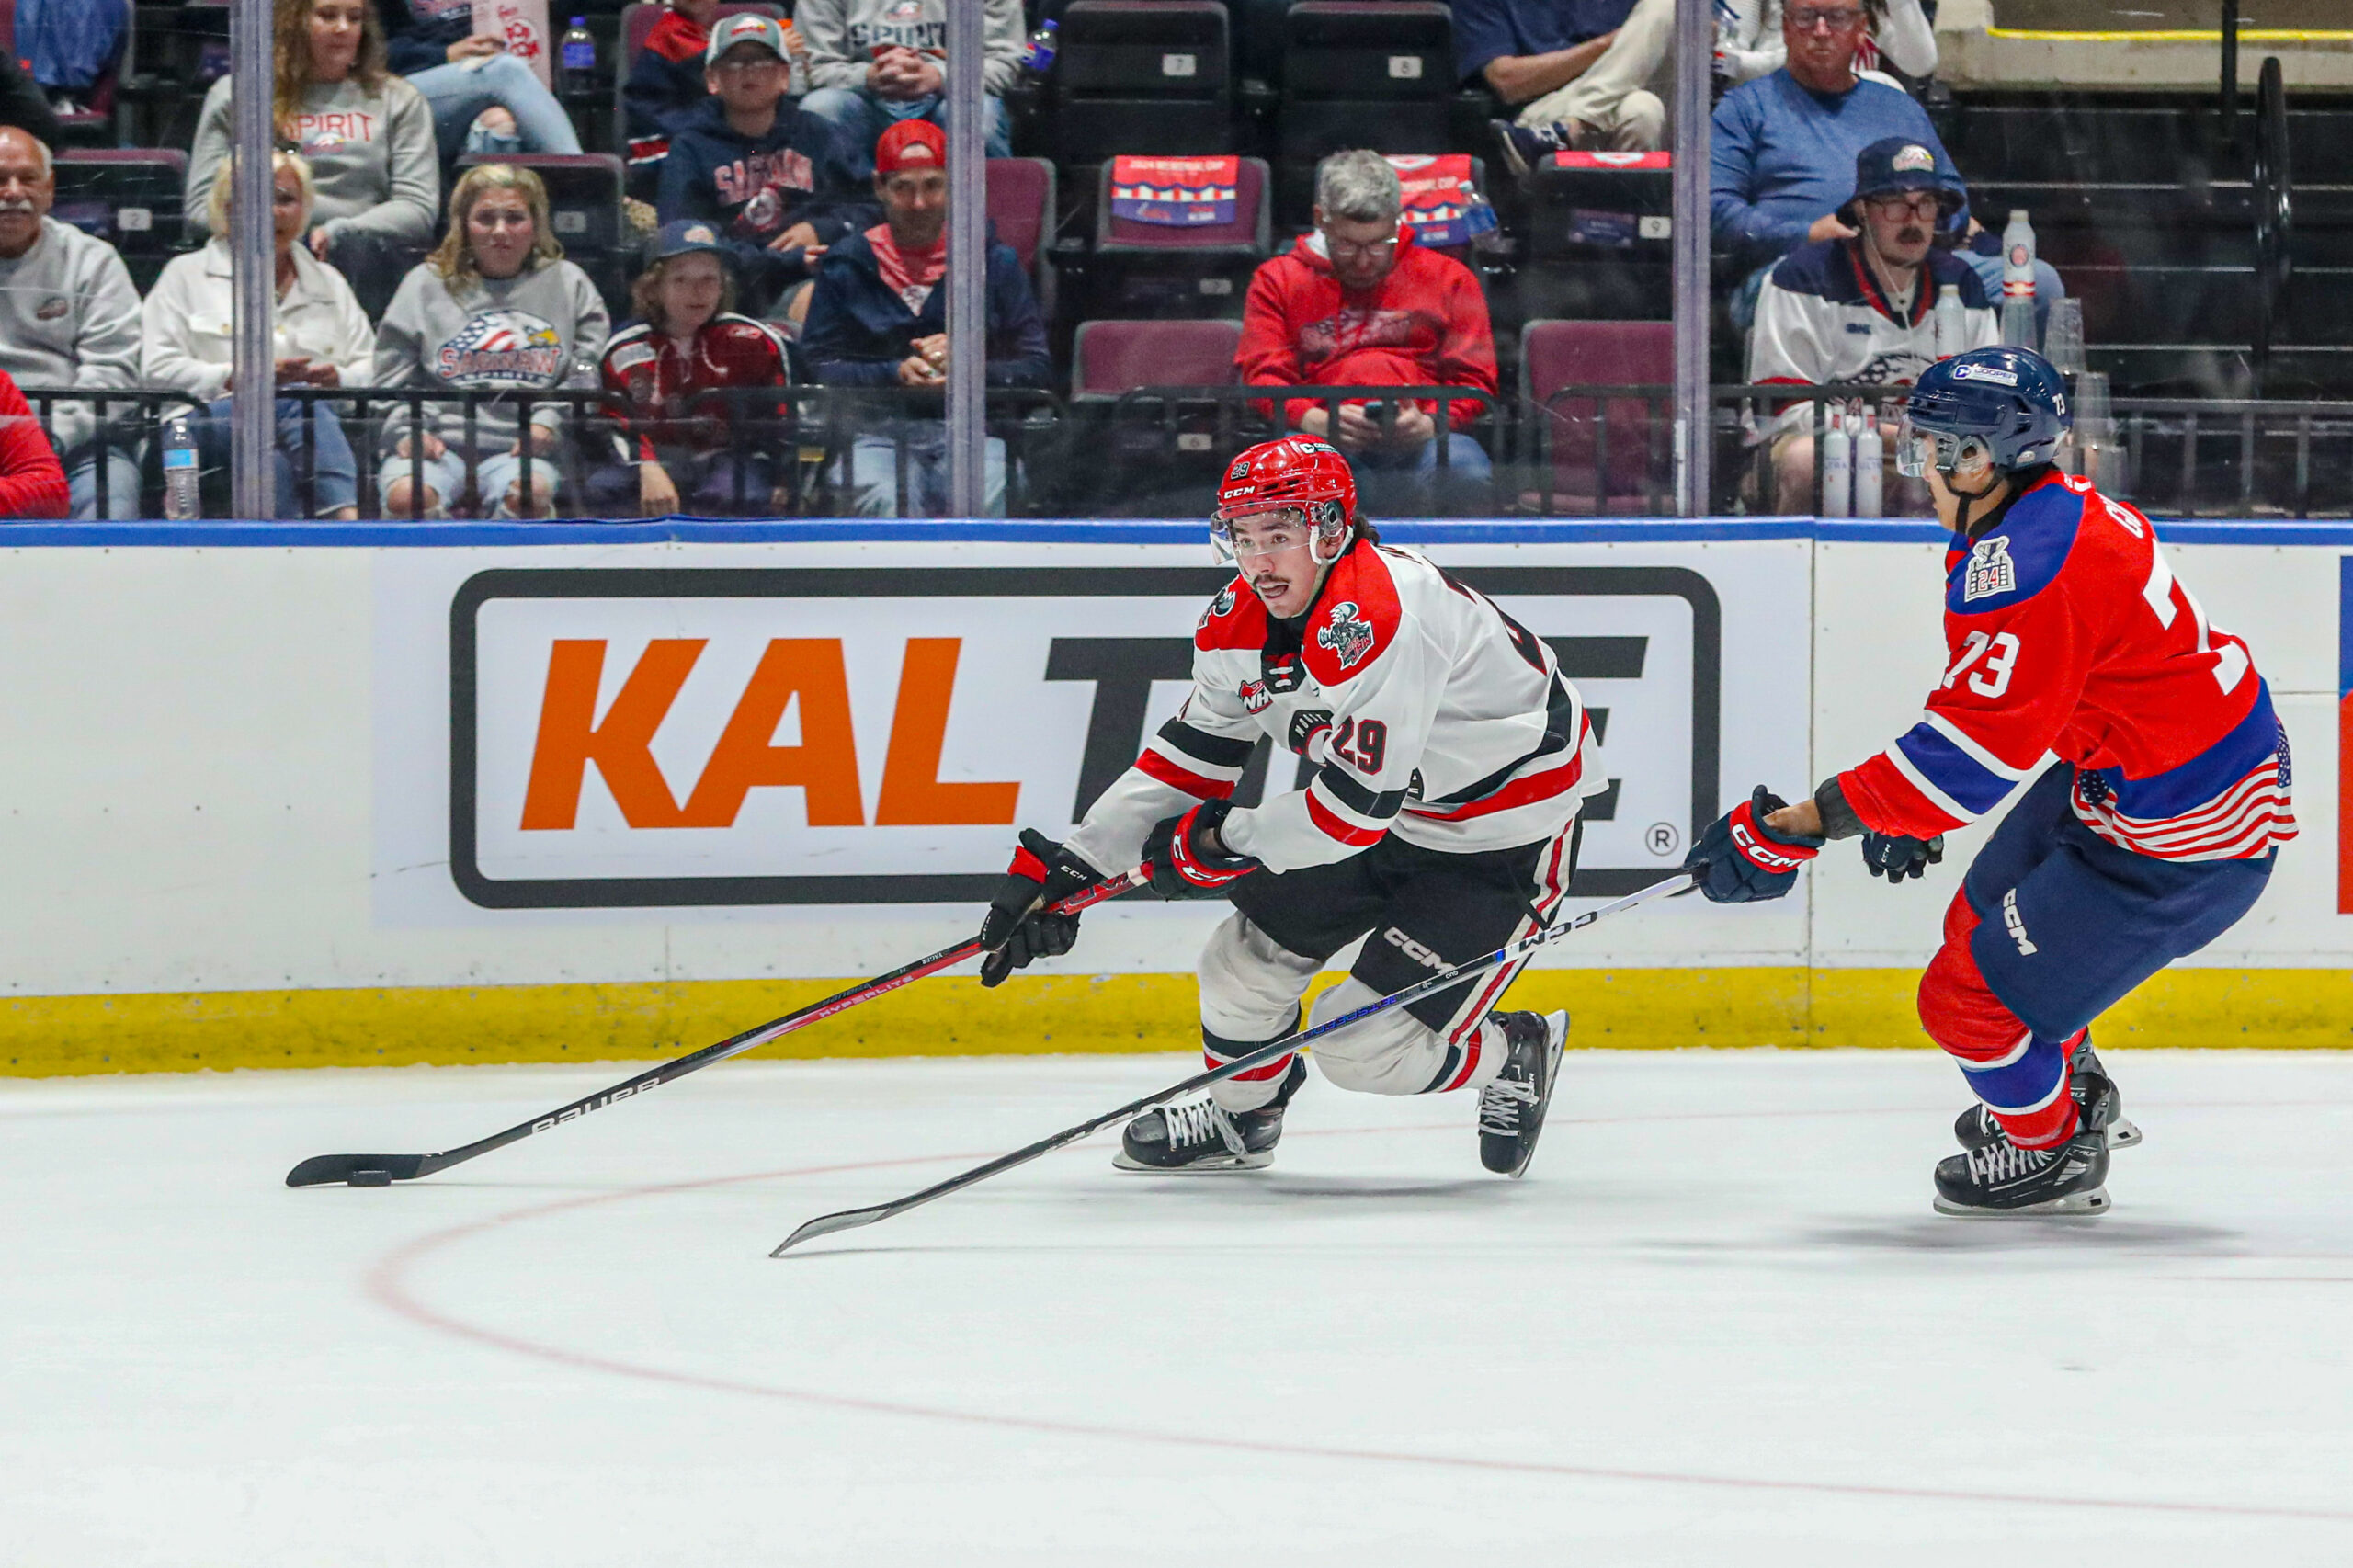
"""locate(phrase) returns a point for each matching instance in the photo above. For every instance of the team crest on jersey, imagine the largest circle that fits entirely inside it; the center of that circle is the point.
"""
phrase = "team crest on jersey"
(1349, 636)
(499, 348)
(1991, 571)
(1222, 605)
(1256, 698)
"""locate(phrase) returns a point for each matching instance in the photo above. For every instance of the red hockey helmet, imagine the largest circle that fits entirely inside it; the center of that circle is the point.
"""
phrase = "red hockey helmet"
(1294, 474)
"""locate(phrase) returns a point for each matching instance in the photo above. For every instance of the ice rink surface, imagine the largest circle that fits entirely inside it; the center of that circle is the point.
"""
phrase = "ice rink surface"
(1717, 1325)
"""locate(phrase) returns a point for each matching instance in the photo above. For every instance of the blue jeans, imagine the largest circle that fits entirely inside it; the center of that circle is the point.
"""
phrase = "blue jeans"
(707, 486)
(1399, 483)
(873, 474)
(495, 473)
(82, 481)
(334, 477)
(458, 94)
(860, 119)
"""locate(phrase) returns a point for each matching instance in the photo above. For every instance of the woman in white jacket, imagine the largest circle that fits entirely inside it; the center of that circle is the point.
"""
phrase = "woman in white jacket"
(322, 339)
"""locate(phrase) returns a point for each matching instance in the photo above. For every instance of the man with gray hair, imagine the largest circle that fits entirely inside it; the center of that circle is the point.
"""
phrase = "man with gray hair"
(1357, 304)
(68, 317)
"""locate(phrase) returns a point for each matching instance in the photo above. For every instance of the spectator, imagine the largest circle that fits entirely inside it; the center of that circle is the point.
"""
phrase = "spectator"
(32, 485)
(879, 318)
(495, 308)
(873, 62)
(68, 45)
(1861, 310)
(1896, 33)
(322, 340)
(675, 441)
(1358, 302)
(22, 103)
(1784, 147)
(1576, 72)
(668, 85)
(773, 178)
(467, 77)
(367, 134)
(68, 317)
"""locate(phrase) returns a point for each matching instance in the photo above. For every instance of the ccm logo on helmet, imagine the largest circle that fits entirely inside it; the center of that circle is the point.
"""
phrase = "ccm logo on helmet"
(1993, 373)
(1761, 852)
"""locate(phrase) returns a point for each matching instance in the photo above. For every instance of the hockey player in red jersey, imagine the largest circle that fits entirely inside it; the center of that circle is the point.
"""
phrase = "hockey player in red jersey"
(2066, 633)
(1449, 761)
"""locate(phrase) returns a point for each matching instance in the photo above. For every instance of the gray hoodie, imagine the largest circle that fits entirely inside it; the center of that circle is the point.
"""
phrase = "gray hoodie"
(544, 328)
(373, 159)
(69, 317)
(843, 34)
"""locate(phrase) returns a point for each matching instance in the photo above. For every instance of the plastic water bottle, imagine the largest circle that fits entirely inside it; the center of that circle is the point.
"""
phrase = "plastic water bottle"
(1869, 452)
(1952, 323)
(2018, 281)
(576, 57)
(183, 500)
(796, 62)
(1837, 467)
(1038, 57)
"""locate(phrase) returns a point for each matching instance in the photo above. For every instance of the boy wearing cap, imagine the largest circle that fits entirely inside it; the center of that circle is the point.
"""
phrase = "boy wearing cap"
(879, 318)
(1861, 309)
(665, 88)
(677, 381)
(773, 179)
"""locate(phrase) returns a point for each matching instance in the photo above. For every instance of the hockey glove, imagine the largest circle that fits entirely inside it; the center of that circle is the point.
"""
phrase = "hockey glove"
(1180, 855)
(1741, 860)
(1018, 929)
(1305, 725)
(1895, 856)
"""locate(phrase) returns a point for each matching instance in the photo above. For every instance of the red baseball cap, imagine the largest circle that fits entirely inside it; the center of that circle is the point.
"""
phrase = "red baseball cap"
(911, 144)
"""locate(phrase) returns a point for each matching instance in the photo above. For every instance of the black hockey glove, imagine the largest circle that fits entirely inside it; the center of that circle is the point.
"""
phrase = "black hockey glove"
(1896, 857)
(1018, 929)
(1305, 725)
(1180, 860)
(1743, 860)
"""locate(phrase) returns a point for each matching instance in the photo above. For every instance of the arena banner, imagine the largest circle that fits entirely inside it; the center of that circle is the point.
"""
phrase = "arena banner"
(865, 727)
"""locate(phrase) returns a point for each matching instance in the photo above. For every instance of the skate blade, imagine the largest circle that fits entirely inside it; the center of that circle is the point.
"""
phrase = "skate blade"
(2074, 1206)
(1222, 1164)
(2122, 1134)
(1556, 1035)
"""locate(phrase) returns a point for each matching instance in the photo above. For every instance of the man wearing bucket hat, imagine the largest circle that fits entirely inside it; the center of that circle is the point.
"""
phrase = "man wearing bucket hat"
(1862, 308)
(774, 180)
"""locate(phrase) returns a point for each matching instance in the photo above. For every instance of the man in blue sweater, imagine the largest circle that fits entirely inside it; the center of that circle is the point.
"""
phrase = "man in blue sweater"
(1783, 149)
(775, 180)
(879, 319)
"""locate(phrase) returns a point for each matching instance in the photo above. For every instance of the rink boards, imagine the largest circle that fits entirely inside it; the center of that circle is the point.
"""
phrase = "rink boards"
(321, 795)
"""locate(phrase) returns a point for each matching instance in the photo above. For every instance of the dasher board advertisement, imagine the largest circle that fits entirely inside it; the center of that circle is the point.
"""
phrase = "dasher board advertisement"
(714, 730)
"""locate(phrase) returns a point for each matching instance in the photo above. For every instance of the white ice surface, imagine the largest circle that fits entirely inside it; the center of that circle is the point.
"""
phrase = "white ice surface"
(1718, 1324)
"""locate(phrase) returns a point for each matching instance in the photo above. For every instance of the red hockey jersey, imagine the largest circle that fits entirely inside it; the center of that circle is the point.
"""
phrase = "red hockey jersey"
(2066, 632)
(656, 383)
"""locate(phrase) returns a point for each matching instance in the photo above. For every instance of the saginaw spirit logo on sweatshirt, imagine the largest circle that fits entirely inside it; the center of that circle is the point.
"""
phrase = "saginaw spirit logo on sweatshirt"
(498, 347)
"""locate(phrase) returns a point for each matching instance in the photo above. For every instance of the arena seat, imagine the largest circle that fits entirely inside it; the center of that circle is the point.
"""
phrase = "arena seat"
(1021, 208)
(1159, 460)
(1151, 269)
(1599, 236)
(130, 197)
(1556, 355)
(1136, 75)
(1116, 357)
(1365, 74)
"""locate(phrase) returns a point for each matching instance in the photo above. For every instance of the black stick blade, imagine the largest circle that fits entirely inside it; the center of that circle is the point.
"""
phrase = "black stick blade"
(826, 1224)
(356, 1170)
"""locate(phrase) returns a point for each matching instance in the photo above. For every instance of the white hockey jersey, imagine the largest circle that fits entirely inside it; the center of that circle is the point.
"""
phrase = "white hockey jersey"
(1823, 319)
(1426, 711)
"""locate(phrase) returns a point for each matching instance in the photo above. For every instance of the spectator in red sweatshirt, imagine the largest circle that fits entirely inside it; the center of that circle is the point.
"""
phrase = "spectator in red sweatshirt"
(1356, 302)
(32, 482)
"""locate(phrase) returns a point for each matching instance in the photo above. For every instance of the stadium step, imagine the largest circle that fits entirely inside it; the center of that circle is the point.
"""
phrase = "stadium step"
(2159, 138)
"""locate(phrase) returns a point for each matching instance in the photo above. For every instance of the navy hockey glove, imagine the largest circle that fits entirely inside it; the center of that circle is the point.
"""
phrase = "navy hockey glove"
(1178, 855)
(1018, 929)
(1895, 856)
(1743, 860)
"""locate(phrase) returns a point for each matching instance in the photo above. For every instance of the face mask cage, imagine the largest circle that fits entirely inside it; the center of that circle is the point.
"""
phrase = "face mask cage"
(1326, 540)
(1916, 448)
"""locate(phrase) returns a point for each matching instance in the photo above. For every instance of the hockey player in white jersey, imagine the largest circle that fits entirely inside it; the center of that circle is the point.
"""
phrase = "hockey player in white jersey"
(1450, 758)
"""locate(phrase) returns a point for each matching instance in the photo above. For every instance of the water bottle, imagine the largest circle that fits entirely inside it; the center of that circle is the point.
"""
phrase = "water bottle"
(796, 63)
(1869, 452)
(1837, 467)
(1038, 57)
(1952, 323)
(182, 500)
(2018, 281)
(576, 58)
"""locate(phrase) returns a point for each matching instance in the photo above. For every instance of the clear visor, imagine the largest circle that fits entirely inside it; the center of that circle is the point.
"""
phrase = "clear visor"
(1267, 530)
(1917, 450)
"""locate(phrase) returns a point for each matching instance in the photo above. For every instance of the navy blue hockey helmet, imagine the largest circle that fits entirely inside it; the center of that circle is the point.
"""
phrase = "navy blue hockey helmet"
(2007, 402)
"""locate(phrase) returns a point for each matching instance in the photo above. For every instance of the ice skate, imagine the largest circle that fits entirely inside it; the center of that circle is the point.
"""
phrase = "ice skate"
(1511, 1109)
(1200, 1136)
(2002, 1181)
(2098, 1103)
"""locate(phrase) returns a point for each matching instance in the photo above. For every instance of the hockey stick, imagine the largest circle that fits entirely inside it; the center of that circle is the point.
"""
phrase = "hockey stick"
(1511, 952)
(383, 1170)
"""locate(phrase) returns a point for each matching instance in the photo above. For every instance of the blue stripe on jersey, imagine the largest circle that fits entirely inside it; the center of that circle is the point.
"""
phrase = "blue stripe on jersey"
(2025, 1084)
(1968, 781)
(2040, 531)
(2181, 790)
